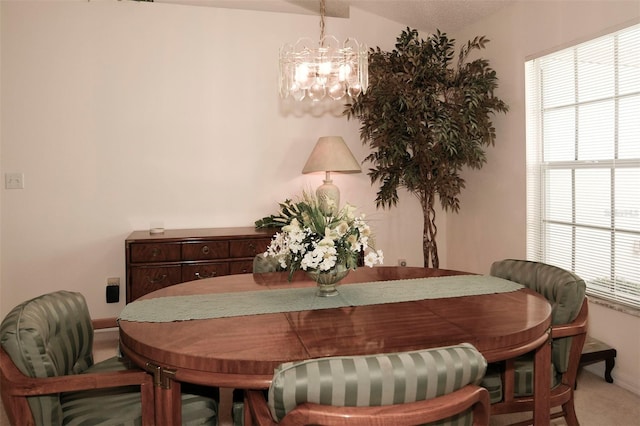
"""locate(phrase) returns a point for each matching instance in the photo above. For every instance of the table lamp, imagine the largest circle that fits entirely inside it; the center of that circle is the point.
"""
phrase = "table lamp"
(331, 154)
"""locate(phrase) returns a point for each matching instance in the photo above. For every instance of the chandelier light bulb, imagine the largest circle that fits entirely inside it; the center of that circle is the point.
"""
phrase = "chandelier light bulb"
(302, 73)
(324, 69)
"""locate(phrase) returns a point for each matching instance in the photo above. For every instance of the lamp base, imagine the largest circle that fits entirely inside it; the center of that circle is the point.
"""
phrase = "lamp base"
(329, 196)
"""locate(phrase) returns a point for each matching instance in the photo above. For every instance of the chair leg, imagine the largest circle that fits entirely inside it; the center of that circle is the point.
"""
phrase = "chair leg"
(247, 412)
(609, 364)
(570, 413)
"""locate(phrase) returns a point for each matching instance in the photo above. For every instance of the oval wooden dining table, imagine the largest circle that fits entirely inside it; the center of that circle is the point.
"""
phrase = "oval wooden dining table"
(242, 351)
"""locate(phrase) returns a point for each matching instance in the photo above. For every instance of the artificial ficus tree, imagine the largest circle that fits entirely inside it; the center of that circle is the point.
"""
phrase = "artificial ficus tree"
(426, 115)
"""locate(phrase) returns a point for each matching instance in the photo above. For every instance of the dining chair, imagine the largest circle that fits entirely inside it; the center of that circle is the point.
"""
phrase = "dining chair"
(510, 383)
(48, 376)
(263, 264)
(408, 388)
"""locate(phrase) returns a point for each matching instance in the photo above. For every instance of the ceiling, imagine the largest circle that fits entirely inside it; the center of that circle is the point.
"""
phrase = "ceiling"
(447, 15)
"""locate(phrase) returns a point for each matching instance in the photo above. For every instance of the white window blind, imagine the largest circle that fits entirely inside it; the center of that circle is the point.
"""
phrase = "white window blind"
(583, 163)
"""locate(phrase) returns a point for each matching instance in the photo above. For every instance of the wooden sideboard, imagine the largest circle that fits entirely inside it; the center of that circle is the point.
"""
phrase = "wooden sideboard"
(155, 261)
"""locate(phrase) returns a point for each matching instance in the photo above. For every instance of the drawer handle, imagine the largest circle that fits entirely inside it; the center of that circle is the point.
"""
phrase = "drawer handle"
(156, 252)
(252, 247)
(206, 250)
(202, 277)
(157, 280)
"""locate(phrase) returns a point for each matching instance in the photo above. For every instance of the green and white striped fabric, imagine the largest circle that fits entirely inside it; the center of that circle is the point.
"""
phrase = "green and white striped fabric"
(49, 336)
(375, 380)
(52, 335)
(564, 290)
(492, 382)
(121, 406)
(523, 376)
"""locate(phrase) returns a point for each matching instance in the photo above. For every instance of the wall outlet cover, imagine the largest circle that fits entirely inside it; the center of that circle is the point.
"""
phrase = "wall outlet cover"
(113, 293)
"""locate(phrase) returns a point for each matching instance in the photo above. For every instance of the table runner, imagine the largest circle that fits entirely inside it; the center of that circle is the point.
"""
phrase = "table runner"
(221, 305)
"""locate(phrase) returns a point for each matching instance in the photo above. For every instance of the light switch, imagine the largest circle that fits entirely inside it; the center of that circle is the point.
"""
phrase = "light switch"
(14, 180)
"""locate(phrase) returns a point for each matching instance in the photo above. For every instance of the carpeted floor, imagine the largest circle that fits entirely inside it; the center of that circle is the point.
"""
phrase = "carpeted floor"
(598, 403)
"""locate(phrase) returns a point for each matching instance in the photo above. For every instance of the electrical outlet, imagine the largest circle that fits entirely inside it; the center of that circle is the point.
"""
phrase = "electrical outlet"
(402, 262)
(113, 290)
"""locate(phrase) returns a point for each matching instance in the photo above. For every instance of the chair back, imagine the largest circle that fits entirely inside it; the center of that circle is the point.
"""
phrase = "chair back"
(262, 264)
(375, 380)
(564, 290)
(50, 335)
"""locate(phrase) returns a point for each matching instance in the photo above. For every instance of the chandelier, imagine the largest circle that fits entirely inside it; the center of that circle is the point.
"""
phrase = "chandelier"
(327, 68)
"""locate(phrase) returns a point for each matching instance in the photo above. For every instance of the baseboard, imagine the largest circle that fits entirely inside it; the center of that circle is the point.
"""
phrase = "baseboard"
(598, 370)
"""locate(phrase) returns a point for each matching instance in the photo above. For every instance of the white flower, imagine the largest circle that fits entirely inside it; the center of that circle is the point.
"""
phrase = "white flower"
(362, 226)
(352, 240)
(349, 211)
(372, 258)
(331, 234)
(327, 242)
(314, 238)
(309, 261)
(292, 226)
(342, 228)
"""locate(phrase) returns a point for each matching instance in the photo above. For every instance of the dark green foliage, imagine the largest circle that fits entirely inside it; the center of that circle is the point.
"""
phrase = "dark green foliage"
(425, 116)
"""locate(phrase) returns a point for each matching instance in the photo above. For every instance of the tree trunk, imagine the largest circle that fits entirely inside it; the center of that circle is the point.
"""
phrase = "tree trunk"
(429, 246)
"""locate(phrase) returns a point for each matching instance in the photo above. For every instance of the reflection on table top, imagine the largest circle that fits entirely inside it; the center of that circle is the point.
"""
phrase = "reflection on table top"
(243, 351)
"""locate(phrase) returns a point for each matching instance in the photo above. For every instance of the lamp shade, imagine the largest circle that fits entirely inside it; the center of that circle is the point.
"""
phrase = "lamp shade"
(331, 154)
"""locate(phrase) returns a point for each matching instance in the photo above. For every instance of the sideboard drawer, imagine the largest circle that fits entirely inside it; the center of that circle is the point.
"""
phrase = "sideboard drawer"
(166, 252)
(145, 279)
(200, 271)
(205, 251)
(241, 267)
(248, 248)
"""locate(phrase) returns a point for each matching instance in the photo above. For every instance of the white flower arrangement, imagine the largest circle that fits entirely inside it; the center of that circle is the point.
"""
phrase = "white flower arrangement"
(311, 239)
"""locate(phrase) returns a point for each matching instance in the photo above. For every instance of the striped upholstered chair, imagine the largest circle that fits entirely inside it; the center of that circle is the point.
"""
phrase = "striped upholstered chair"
(436, 386)
(48, 376)
(511, 383)
(263, 264)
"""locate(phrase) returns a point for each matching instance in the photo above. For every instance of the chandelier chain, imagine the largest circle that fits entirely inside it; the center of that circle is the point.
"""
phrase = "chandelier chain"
(322, 13)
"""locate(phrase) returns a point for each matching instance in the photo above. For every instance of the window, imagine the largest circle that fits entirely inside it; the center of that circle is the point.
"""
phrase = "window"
(583, 163)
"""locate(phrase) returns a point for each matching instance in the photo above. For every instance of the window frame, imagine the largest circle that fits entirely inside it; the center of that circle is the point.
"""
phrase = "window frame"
(622, 292)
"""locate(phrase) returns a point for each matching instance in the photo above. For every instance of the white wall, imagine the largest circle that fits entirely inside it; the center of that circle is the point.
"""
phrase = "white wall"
(120, 114)
(492, 220)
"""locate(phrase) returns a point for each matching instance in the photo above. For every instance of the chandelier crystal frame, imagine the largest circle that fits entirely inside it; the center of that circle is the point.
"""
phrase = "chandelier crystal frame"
(326, 68)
